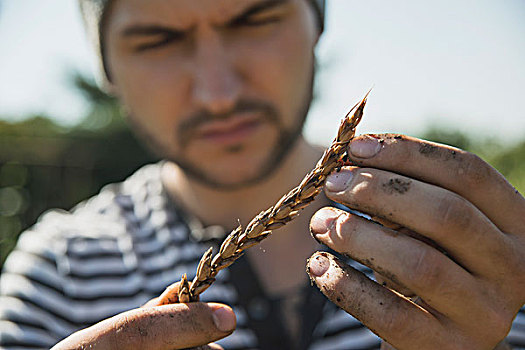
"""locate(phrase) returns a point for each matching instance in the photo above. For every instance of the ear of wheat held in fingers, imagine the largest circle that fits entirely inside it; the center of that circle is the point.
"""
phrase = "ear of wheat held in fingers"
(261, 226)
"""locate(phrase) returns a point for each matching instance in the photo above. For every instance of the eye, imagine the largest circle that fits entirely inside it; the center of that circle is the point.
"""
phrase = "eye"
(259, 19)
(158, 41)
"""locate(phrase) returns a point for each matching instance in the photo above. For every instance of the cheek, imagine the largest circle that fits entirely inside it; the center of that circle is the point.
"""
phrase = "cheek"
(148, 86)
(152, 92)
(282, 69)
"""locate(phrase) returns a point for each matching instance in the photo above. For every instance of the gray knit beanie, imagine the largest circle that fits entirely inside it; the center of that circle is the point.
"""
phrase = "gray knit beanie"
(93, 12)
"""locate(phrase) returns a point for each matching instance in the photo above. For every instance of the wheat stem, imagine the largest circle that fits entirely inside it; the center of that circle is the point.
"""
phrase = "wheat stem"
(284, 211)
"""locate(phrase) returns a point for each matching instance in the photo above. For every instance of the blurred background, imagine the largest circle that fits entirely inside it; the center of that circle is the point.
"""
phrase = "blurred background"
(450, 71)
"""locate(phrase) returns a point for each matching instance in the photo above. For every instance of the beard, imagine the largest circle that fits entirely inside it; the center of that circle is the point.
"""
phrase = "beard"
(286, 139)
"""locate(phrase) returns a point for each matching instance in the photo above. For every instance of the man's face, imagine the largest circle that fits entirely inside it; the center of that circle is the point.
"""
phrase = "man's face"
(221, 87)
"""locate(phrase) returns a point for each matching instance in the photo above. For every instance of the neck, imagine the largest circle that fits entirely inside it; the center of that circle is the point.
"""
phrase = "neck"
(278, 259)
(220, 207)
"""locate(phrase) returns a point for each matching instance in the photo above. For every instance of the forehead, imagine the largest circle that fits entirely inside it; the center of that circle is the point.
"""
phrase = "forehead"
(181, 12)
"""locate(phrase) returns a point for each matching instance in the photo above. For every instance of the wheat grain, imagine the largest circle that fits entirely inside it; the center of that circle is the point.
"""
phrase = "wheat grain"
(284, 211)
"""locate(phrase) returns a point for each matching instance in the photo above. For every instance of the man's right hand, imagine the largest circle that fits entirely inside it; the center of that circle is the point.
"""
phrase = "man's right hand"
(175, 326)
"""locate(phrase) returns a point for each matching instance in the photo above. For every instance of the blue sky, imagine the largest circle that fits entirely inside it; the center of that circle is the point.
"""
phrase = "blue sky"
(457, 63)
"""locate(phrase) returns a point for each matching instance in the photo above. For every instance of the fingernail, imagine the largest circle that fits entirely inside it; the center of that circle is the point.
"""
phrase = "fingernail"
(365, 147)
(323, 221)
(318, 265)
(224, 319)
(337, 182)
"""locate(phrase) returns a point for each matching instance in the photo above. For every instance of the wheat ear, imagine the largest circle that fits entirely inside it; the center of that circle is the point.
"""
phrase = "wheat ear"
(284, 211)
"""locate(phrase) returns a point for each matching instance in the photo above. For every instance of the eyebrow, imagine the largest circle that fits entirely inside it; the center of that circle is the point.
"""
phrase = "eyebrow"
(260, 6)
(147, 30)
(154, 29)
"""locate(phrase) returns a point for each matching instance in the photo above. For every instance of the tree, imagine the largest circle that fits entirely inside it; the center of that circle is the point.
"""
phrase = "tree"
(44, 165)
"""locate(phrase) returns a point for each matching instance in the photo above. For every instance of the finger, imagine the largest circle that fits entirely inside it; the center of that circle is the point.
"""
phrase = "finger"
(404, 260)
(211, 346)
(458, 171)
(170, 295)
(382, 280)
(170, 327)
(386, 346)
(388, 283)
(434, 212)
(151, 303)
(391, 317)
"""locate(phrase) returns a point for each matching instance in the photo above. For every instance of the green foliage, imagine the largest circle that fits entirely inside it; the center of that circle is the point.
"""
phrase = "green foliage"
(450, 137)
(508, 160)
(43, 165)
(511, 163)
(105, 113)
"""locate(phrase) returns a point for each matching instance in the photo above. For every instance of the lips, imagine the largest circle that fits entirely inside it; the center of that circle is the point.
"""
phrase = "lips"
(232, 130)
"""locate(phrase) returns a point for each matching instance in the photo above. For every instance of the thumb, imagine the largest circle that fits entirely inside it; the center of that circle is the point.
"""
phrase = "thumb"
(386, 346)
(211, 346)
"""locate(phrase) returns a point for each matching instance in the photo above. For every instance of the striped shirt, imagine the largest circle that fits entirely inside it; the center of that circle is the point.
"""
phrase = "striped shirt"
(121, 248)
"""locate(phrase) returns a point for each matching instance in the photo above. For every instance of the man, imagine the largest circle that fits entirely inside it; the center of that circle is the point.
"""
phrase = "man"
(221, 88)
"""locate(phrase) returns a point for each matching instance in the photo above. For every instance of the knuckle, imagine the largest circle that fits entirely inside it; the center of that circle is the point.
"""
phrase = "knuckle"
(346, 229)
(494, 328)
(425, 270)
(195, 321)
(453, 213)
(509, 262)
(498, 323)
(515, 258)
(395, 322)
(474, 170)
(363, 191)
(128, 331)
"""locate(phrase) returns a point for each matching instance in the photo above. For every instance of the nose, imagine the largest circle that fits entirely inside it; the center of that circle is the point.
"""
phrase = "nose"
(216, 84)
